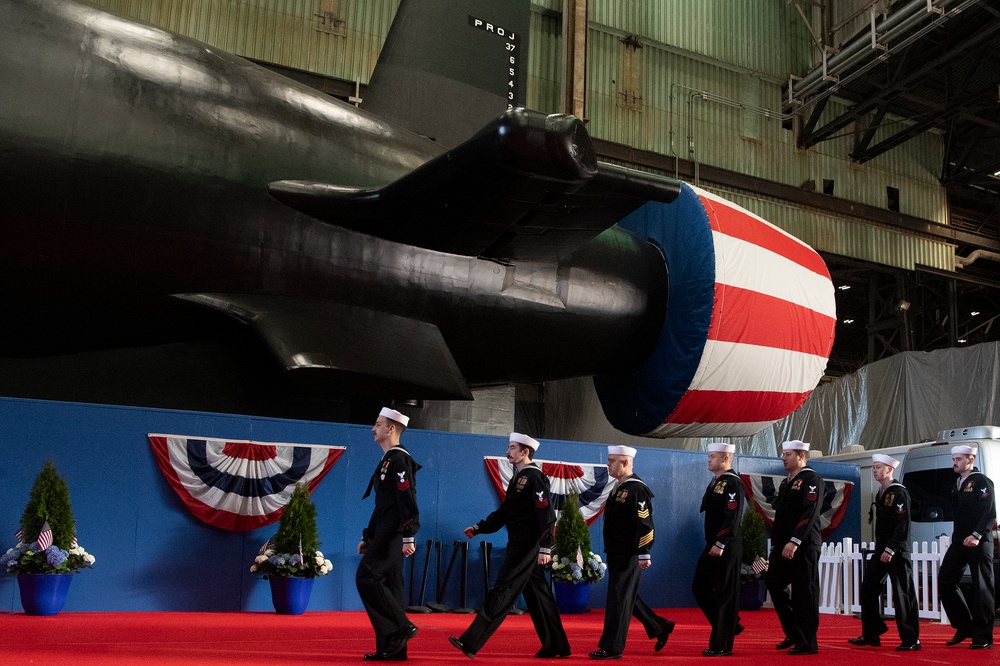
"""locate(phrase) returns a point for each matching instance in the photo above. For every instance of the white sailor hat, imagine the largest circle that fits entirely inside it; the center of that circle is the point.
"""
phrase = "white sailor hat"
(795, 445)
(721, 447)
(524, 439)
(622, 451)
(395, 416)
(967, 450)
(885, 460)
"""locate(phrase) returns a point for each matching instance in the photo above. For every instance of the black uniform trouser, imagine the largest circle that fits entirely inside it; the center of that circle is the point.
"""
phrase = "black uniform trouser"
(380, 585)
(798, 612)
(716, 588)
(623, 602)
(520, 573)
(899, 570)
(973, 617)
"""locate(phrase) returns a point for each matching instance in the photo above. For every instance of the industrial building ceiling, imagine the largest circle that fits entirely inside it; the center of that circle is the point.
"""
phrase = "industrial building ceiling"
(906, 67)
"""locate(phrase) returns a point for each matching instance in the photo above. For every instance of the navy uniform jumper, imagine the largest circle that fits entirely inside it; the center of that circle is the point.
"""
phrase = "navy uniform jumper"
(796, 519)
(716, 584)
(395, 518)
(974, 509)
(628, 537)
(892, 536)
(529, 518)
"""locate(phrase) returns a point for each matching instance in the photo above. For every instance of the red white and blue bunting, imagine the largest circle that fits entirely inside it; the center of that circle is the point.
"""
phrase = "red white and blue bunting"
(591, 482)
(763, 489)
(239, 485)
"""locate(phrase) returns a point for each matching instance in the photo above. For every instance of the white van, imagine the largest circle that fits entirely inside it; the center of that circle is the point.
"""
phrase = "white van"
(928, 475)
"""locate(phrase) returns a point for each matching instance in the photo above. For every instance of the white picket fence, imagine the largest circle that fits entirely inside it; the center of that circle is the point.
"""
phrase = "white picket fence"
(841, 567)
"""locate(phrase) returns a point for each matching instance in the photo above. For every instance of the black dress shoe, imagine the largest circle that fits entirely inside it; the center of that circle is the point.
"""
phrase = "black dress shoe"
(461, 646)
(956, 639)
(739, 629)
(551, 653)
(383, 656)
(604, 654)
(913, 647)
(397, 642)
(785, 644)
(981, 646)
(797, 651)
(716, 653)
(661, 640)
(864, 640)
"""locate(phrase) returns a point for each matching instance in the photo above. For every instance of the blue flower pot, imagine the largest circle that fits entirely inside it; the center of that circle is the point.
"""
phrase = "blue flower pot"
(290, 595)
(572, 598)
(43, 594)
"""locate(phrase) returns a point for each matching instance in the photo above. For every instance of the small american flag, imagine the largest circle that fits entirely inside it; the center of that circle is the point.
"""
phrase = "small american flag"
(45, 537)
(759, 565)
(19, 535)
(73, 543)
(267, 544)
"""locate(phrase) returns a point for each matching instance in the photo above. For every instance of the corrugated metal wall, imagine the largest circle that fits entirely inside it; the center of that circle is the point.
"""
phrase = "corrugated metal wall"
(704, 79)
(336, 38)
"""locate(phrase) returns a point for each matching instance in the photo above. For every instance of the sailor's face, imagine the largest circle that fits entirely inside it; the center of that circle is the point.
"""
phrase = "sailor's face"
(962, 463)
(619, 466)
(381, 429)
(516, 454)
(792, 460)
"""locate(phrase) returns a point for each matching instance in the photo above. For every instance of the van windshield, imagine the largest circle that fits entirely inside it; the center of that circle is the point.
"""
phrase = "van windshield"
(930, 494)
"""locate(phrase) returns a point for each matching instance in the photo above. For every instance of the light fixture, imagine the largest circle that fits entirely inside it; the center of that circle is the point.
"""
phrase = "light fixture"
(903, 306)
(844, 287)
(974, 313)
(962, 341)
(848, 321)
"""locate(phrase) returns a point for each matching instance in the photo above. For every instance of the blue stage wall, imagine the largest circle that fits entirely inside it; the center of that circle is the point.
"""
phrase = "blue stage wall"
(153, 555)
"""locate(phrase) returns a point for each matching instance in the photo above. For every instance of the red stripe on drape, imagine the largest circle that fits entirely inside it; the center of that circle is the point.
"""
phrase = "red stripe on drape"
(750, 317)
(562, 471)
(737, 224)
(735, 406)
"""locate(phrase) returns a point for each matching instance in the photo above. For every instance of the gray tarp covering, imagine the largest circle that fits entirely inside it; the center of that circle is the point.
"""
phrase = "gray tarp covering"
(903, 399)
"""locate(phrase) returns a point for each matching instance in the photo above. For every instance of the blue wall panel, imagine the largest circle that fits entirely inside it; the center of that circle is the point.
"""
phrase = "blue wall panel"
(153, 555)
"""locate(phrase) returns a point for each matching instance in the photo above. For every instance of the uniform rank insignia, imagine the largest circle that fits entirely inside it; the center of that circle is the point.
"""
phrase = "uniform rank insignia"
(643, 512)
(403, 483)
(811, 495)
(541, 501)
(985, 492)
(731, 504)
(899, 509)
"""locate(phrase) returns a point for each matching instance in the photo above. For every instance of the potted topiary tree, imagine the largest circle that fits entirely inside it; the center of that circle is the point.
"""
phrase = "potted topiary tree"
(291, 560)
(47, 550)
(754, 567)
(574, 566)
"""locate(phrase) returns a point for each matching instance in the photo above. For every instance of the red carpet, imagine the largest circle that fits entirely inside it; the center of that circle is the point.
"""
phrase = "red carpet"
(85, 639)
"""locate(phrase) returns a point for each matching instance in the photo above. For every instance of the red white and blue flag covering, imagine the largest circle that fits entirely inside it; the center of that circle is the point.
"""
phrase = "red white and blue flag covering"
(748, 330)
(763, 490)
(239, 485)
(591, 482)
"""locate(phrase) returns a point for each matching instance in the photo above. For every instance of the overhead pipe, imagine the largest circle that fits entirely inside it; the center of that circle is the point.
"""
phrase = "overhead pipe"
(896, 25)
(965, 262)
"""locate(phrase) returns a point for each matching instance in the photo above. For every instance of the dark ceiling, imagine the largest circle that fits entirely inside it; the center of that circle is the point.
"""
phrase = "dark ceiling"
(934, 69)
